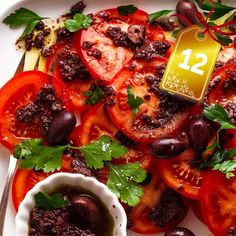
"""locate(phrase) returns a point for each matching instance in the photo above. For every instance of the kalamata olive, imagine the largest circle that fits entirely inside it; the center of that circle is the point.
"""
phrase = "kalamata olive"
(179, 231)
(136, 33)
(199, 135)
(61, 127)
(87, 210)
(168, 147)
(187, 9)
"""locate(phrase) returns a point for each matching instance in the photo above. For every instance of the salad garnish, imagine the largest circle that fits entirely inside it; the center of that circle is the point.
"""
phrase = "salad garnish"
(23, 17)
(134, 102)
(49, 202)
(221, 159)
(123, 181)
(79, 21)
(156, 15)
(95, 95)
(126, 10)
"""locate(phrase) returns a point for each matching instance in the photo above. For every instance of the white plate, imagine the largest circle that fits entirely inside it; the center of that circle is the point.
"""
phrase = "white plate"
(10, 57)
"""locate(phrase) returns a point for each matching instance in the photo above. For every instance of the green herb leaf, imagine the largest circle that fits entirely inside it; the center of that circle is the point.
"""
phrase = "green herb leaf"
(158, 14)
(46, 202)
(126, 10)
(218, 114)
(123, 181)
(175, 33)
(21, 17)
(94, 95)
(219, 9)
(96, 153)
(134, 102)
(36, 156)
(79, 21)
(226, 167)
(30, 28)
(224, 39)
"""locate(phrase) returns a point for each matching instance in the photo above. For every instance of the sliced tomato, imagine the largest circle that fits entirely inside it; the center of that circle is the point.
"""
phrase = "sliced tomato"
(24, 180)
(178, 174)
(141, 223)
(113, 58)
(218, 202)
(77, 86)
(21, 90)
(196, 208)
(95, 123)
(221, 89)
(120, 113)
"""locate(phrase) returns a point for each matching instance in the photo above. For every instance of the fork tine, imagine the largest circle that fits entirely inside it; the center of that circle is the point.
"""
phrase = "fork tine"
(20, 66)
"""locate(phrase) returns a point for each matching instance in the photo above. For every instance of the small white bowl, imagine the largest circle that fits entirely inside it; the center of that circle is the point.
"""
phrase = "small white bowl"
(51, 184)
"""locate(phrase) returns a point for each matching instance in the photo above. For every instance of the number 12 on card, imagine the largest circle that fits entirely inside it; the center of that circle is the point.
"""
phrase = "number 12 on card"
(191, 64)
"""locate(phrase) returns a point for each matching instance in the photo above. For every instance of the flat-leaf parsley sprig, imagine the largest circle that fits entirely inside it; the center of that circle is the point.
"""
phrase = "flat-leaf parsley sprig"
(23, 17)
(222, 160)
(123, 179)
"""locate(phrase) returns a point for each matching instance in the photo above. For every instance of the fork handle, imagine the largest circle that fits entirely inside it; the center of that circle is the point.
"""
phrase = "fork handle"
(6, 190)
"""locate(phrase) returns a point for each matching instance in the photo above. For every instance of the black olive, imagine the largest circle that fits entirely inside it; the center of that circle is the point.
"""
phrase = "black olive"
(136, 33)
(61, 127)
(168, 147)
(199, 135)
(179, 231)
(87, 210)
(189, 10)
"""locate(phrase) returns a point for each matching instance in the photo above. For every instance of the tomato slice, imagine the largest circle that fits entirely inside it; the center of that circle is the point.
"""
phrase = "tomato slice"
(95, 123)
(24, 180)
(178, 174)
(21, 90)
(141, 222)
(222, 86)
(113, 58)
(148, 125)
(79, 84)
(218, 202)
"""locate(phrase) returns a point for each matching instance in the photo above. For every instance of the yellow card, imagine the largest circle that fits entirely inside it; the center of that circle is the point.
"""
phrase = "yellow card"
(191, 64)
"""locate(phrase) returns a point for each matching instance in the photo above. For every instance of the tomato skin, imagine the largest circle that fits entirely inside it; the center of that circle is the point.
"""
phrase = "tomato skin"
(218, 202)
(27, 84)
(77, 87)
(95, 123)
(121, 114)
(24, 180)
(178, 174)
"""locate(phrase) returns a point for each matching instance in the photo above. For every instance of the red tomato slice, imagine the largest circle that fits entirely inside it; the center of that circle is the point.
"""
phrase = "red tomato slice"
(113, 58)
(24, 180)
(77, 86)
(180, 176)
(141, 129)
(221, 90)
(218, 202)
(139, 214)
(95, 123)
(21, 90)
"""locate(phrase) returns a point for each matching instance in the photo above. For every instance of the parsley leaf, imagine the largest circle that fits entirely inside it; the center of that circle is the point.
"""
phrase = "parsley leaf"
(94, 95)
(34, 155)
(96, 153)
(218, 114)
(175, 33)
(22, 17)
(79, 21)
(226, 167)
(126, 10)
(224, 40)
(133, 102)
(123, 181)
(158, 14)
(46, 202)
(219, 9)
